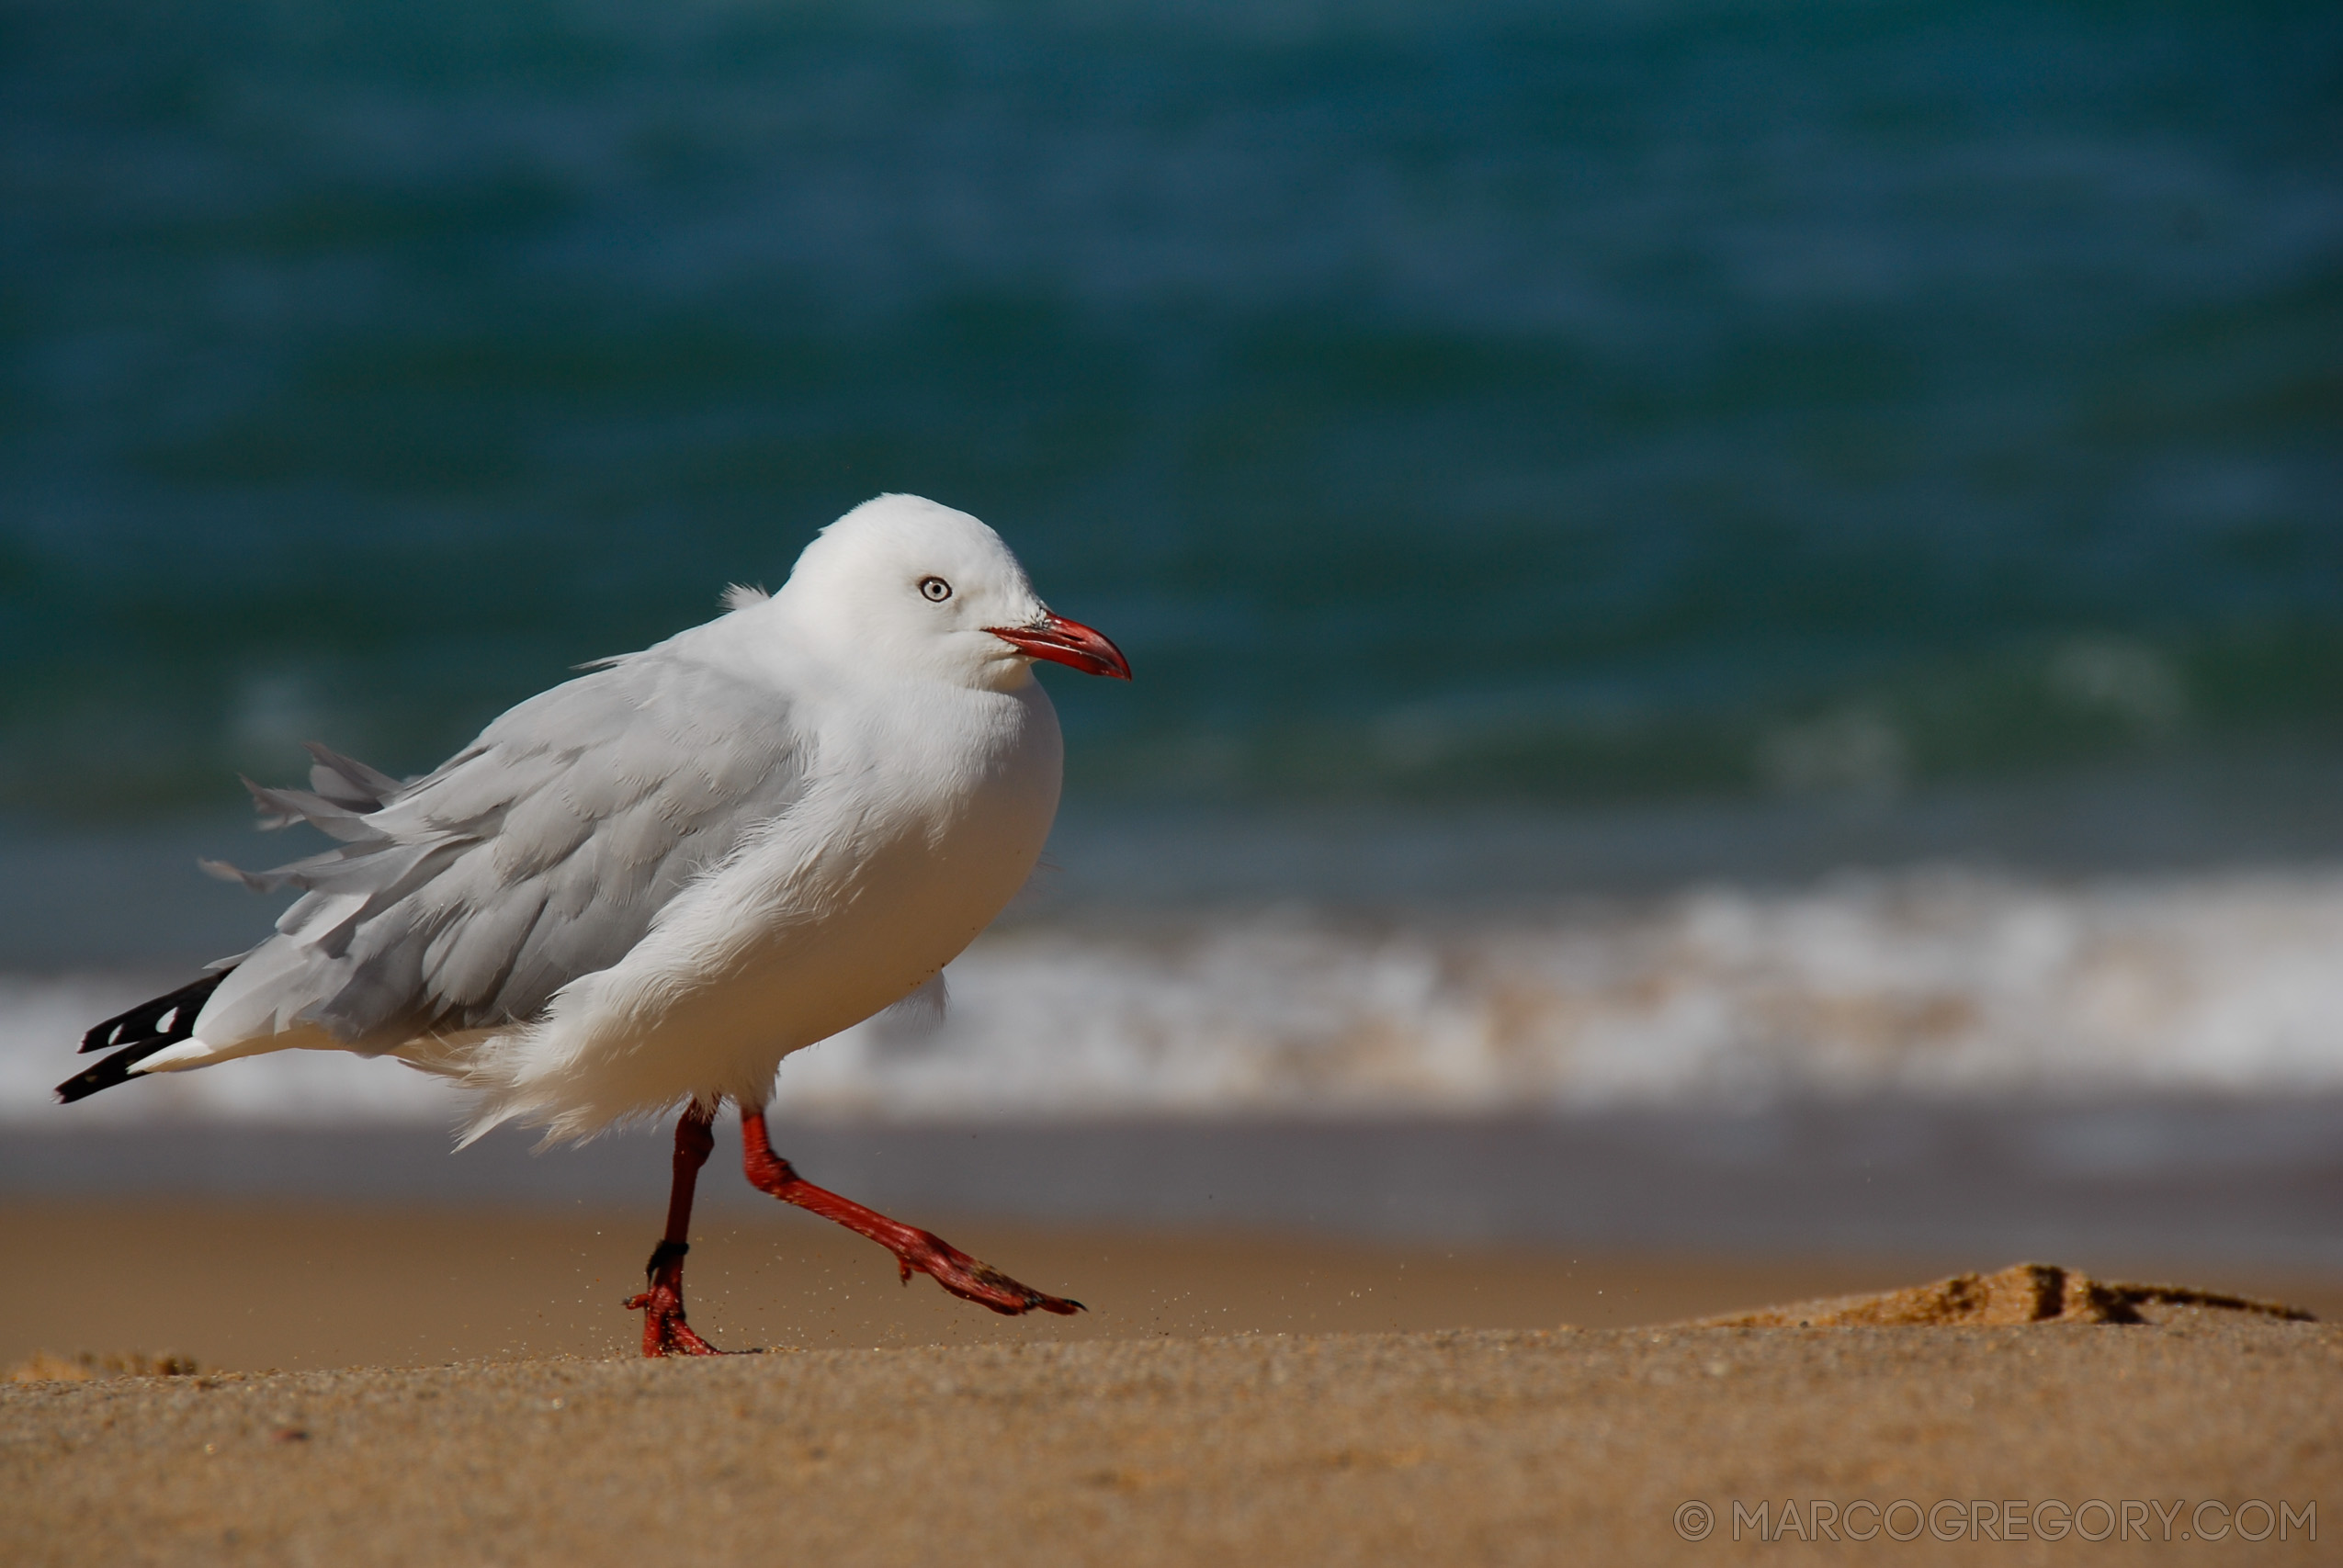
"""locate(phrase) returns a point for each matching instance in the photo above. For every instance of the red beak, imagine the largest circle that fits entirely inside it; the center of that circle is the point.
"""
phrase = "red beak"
(1066, 642)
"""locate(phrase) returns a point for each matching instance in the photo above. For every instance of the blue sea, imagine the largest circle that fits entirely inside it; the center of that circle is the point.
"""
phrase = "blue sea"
(1831, 513)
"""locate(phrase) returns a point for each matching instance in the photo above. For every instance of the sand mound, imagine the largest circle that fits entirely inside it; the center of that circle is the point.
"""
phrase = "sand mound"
(2023, 1294)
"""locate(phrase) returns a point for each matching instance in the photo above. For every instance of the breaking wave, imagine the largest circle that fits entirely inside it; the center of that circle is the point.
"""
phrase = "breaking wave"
(1927, 983)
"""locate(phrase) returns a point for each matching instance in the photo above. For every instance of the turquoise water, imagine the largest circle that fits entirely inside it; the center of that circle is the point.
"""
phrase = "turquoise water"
(1446, 406)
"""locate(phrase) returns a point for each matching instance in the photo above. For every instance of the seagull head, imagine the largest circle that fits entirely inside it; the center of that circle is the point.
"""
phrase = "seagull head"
(905, 585)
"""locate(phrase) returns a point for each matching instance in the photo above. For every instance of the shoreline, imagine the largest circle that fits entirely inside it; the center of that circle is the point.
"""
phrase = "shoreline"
(2122, 1187)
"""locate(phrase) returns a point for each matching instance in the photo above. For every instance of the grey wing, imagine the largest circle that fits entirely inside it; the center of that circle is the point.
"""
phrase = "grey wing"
(466, 898)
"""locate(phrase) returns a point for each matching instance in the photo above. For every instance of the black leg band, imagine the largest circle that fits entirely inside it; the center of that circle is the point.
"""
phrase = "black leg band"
(666, 1252)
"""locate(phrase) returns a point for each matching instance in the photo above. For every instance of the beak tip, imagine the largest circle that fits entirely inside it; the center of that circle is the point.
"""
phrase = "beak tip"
(1070, 643)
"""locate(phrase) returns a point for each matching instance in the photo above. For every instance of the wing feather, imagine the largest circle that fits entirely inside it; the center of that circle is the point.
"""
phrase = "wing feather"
(347, 781)
(540, 853)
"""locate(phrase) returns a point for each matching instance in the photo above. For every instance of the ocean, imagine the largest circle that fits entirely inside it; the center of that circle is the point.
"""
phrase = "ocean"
(1677, 555)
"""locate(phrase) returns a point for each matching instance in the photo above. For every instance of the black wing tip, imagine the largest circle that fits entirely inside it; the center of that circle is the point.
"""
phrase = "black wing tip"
(164, 1021)
(145, 1029)
(108, 1071)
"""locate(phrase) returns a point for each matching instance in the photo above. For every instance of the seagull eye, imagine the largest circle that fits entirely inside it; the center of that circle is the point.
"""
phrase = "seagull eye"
(936, 590)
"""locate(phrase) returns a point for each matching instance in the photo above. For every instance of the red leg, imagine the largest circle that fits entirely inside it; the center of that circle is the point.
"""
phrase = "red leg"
(955, 1270)
(664, 1332)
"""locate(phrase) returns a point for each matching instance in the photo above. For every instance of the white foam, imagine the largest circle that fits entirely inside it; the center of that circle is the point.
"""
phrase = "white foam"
(1928, 984)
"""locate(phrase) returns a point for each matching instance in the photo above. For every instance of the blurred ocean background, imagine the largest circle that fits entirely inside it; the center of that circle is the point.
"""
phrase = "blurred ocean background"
(1680, 557)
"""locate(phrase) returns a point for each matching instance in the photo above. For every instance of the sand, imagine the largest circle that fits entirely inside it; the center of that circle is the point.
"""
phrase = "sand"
(1462, 1446)
(2019, 1296)
(1138, 1433)
(253, 1287)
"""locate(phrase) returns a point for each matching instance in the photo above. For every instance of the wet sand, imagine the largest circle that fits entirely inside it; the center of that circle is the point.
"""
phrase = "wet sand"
(256, 1286)
(259, 1286)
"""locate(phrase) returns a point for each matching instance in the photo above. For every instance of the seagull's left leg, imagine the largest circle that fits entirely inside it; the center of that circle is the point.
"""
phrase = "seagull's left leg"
(964, 1276)
(664, 1332)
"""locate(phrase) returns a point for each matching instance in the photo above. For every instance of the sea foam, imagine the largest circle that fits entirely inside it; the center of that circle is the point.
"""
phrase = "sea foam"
(1926, 984)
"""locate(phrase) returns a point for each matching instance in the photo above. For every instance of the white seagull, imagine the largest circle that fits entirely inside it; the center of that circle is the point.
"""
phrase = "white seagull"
(644, 888)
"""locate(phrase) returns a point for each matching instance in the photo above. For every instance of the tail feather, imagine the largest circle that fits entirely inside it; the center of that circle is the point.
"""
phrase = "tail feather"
(138, 1033)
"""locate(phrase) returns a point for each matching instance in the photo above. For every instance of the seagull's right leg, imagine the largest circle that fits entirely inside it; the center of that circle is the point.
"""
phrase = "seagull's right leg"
(968, 1278)
(664, 1332)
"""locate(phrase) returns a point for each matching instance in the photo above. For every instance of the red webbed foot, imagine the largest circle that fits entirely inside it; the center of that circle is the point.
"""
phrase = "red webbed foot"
(970, 1278)
(664, 1332)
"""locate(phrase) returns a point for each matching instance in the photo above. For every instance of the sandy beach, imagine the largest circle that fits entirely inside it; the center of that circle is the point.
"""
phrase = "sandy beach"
(1447, 1447)
(459, 1391)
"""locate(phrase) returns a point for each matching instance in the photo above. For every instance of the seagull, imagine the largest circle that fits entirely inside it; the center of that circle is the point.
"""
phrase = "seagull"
(636, 893)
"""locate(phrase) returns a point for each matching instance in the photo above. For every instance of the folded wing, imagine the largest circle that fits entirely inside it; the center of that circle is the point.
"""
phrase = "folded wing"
(464, 900)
